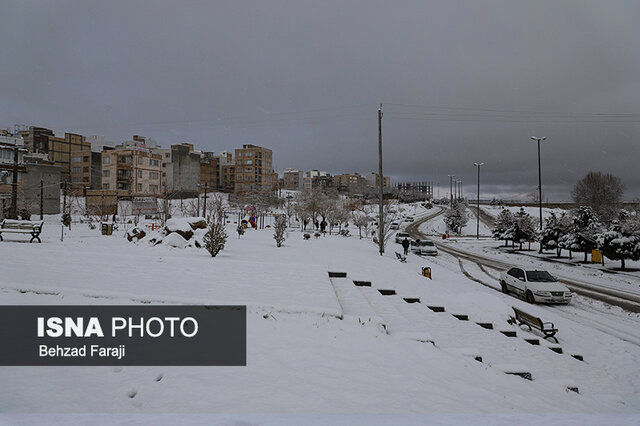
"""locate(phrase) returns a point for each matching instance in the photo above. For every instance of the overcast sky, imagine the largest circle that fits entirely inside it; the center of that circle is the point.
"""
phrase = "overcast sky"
(460, 82)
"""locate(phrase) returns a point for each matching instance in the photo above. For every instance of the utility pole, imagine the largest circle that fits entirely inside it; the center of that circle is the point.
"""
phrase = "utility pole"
(451, 189)
(64, 209)
(204, 207)
(42, 199)
(14, 186)
(538, 140)
(478, 203)
(381, 179)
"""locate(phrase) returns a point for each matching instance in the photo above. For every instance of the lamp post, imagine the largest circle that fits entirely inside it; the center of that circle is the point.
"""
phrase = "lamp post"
(538, 140)
(451, 189)
(478, 203)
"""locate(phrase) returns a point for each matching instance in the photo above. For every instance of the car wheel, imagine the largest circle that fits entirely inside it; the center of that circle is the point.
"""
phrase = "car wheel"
(505, 290)
(529, 297)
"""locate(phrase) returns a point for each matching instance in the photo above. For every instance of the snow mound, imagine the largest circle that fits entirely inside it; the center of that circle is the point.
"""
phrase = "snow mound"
(174, 239)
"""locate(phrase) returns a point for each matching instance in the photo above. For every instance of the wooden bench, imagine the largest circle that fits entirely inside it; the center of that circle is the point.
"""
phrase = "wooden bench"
(10, 226)
(401, 258)
(547, 328)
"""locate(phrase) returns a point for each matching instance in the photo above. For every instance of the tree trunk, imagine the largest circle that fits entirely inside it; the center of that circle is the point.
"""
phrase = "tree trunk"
(559, 251)
(585, 256)
(622, 263)
(570, 254)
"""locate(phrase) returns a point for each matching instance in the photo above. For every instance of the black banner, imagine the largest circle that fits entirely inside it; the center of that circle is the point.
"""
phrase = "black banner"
(123, 335)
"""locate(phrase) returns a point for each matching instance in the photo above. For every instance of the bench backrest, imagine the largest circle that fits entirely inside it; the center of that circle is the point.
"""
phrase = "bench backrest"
(527, 318)
(20, 224)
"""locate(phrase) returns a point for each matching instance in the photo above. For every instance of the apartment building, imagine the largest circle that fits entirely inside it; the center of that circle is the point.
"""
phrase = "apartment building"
(293, 179)
(135, 171)
(254, 169)
(209, 171)
(86, 170)
(347, 182)
(373, 179)
(180, 170)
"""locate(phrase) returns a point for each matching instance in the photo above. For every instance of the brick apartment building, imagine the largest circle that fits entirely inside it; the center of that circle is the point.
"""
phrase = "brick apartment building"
(254, 169)
(209, 171)
(136, 171)
(293, 179)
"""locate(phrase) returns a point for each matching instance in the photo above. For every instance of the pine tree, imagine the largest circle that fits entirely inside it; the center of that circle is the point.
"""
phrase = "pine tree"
(582, 233)
(523, 228)
(456, 217)
(502, 227)
(621, 241)
(554, 229)
(280, 227)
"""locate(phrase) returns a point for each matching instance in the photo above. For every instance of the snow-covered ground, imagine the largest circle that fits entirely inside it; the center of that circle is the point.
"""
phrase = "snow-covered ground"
(315, 345)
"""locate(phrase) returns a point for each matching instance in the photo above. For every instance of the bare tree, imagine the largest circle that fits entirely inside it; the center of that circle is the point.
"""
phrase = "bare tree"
(389, 215)
(602, 192)
(216, 236)
(361, 221)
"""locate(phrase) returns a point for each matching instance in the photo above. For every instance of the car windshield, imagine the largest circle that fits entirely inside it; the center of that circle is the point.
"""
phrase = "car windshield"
(426, 243)
(403, 235)
(540, 276)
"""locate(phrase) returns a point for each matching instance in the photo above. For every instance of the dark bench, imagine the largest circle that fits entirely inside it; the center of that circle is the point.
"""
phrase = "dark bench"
(10, 226)
(401, 258)
(546, 328)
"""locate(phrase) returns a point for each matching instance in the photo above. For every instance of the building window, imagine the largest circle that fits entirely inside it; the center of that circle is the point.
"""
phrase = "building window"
(153, 175)
(77, 159)
(248, 162)
(76, 170)
(105, 186)
(153, 162)
(139, 160)
(106, 173)
(153, 188)
(139, 187)
(106, 160)
(85, 158)
(139, 173)
(85, 169)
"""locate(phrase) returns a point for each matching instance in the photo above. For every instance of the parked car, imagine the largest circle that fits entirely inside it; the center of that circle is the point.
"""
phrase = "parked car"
(401, 236)
(408, 219)
(394, 225)
(534, 286)
(424, 247)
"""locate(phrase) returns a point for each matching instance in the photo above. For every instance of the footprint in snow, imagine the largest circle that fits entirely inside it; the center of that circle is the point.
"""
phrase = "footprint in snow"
(132, 393)
(159, 377)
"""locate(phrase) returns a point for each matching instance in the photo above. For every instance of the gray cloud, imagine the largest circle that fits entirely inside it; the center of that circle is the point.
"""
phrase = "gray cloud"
(460, 82)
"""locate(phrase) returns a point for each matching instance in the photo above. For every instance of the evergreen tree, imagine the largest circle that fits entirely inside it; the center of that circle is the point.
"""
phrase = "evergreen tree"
(280, 227)
(621, 241)
(523, 228)
(582, 233)
(502, 226)
(456, 217)
(554, 229)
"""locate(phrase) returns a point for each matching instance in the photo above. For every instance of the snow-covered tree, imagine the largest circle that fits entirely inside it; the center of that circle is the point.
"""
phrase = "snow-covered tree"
(523, 228)
(622, 240)
(555, 228)
(502, 226)
(582, 233)
(388, 217)
(279, 230)
(361, 221)
(216, 236)
(456, 217)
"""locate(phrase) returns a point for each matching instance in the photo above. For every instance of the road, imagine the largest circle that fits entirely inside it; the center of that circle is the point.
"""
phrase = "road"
(626, 300)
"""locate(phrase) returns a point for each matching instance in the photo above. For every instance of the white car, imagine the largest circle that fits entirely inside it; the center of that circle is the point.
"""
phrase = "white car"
(394, 225)
(400, 236)
(535, 286)
(408, 219)
(424, 247)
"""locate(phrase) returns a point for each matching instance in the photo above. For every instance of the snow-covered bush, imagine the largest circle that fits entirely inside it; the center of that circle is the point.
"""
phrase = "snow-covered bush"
(502, 227)
(554, 229)
(216, 236)
(621, 241)
(582, 234)
(279, 230)
(456, 217)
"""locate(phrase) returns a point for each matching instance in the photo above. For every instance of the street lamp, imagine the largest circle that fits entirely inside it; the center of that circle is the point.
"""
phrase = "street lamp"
(478, 203)
(538, 140)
